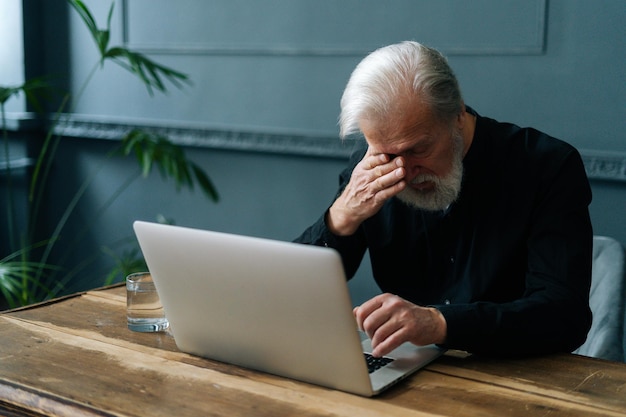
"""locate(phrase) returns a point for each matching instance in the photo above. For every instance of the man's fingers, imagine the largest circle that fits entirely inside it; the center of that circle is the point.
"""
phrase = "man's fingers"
(388, 179)
(384, 345)
(372, 161)
(366, 310)
(390, 320)
(374, 180)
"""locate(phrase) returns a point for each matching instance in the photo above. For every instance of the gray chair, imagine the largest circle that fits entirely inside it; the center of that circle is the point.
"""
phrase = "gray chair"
(607, 337)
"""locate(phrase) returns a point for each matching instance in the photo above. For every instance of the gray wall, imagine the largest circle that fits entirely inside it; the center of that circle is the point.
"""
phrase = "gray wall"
(274, 71)
(281, 65)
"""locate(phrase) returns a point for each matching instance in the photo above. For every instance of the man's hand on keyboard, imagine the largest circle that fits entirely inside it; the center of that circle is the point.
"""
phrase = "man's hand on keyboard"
(390, 321)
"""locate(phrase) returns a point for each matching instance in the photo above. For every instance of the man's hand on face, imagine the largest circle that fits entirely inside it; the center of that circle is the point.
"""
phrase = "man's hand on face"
(375, 179)
(390, 321)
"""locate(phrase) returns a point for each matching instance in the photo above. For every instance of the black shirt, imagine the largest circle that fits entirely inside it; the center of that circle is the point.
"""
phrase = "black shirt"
(508, 264)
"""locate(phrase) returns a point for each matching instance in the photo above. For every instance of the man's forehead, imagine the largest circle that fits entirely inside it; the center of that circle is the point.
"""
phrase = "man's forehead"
(407, 117)
(395, 137)
(397, 147)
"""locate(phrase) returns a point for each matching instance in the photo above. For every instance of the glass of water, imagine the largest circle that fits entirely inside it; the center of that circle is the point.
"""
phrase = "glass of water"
(144, 312)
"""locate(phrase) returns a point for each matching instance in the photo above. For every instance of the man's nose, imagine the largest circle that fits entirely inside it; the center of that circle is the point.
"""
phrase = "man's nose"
(413, 168)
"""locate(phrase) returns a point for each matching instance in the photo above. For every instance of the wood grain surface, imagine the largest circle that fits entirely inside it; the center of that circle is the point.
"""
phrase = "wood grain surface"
(75, 356)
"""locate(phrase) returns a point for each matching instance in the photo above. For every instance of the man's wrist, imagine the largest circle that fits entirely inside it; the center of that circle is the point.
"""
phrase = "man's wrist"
(441, 327)
(338, 224)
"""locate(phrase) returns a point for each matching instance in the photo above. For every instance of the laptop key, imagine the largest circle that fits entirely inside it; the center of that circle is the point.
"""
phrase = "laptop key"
(374, 363)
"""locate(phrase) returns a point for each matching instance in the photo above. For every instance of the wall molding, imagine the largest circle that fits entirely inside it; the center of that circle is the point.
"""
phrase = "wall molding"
(530, 41)
(603, 165)
(214, 138)
(600, 165)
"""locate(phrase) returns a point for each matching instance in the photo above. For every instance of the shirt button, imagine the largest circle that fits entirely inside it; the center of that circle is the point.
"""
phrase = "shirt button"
(452, 259)
(446, 302)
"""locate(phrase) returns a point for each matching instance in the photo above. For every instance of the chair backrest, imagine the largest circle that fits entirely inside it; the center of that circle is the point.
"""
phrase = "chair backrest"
(607, 337)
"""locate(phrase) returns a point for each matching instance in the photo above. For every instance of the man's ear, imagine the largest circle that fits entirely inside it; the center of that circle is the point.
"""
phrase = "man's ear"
(460, 118)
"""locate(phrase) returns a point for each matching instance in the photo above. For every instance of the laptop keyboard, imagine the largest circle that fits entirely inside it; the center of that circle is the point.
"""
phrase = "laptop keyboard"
(374, 363)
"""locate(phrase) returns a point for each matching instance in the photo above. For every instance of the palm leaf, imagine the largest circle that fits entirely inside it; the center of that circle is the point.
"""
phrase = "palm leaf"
(149, 72)
(154, 150)
(86, 15)
(7, 92)
(129, 262)
(205, 183)
(101, 37)
(18, 282)
(33, 89)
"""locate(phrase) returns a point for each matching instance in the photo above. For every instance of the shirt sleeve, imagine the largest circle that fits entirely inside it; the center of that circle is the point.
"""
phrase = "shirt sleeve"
(351, 248)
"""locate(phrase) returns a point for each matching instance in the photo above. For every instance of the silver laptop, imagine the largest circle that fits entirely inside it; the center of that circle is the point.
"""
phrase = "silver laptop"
(277, 307)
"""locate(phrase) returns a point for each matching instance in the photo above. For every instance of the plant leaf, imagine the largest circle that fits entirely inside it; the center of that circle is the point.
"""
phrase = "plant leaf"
(87, 17)
(151, 149)
(130, 261)
(18, 283)
(32, 89)
(100, 37)
(148, 71)
(7, 92)
(205, 183)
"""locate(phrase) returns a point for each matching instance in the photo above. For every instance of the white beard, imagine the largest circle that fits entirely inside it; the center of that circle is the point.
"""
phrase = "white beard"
(446, 189)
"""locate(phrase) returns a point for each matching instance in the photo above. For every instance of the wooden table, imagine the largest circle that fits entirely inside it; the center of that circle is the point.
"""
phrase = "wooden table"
(75, 356)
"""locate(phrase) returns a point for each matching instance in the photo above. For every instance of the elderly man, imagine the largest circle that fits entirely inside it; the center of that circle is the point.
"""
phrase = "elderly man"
(478, 231)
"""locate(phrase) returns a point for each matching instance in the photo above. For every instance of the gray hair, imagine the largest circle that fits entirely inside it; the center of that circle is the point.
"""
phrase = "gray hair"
(403, 70)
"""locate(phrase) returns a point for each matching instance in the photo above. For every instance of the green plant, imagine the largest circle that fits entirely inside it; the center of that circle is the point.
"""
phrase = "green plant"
(26, 274)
